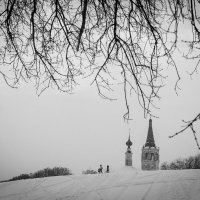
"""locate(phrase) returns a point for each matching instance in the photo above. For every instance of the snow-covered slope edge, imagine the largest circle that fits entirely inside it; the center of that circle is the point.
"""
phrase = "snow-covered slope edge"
(124, 184)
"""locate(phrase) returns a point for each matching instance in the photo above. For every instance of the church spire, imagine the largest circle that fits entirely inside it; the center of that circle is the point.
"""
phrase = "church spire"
(150, 139)
(150, 153)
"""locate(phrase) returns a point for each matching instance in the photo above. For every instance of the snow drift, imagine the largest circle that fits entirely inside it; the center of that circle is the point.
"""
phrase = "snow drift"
(125, 184)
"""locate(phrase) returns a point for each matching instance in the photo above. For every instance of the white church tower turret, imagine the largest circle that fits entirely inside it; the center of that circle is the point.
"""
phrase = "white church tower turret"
(128, 154)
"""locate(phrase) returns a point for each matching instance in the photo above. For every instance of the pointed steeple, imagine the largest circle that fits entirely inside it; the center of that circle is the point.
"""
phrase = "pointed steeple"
(150, 153)
(150, 139)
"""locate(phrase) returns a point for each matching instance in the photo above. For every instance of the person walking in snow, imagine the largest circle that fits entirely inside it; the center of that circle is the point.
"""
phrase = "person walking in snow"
(100, 170)
(107, 170)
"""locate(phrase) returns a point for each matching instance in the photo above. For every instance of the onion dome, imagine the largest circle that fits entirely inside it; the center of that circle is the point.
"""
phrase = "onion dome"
(129, 143)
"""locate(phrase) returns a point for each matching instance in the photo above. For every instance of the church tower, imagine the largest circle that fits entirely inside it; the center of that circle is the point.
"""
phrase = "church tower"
(150, 153)
(128, 154)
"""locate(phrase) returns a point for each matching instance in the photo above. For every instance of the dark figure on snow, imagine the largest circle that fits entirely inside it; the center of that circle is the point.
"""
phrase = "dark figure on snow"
(100, 169)
(107, 170)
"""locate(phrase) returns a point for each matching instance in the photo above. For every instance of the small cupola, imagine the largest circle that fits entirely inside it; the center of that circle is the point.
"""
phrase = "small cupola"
(129, 143)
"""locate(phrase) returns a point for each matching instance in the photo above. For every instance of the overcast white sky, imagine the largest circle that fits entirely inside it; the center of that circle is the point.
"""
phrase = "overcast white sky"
(81, 130)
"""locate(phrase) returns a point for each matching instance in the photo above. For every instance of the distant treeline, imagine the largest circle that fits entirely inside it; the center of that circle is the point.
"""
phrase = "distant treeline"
(192, 162)
(56, 171)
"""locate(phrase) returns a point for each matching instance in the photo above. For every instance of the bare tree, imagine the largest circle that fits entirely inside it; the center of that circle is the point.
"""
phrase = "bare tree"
(55, 43)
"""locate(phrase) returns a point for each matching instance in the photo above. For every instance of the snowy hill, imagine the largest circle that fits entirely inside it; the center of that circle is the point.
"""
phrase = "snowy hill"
(124, 184)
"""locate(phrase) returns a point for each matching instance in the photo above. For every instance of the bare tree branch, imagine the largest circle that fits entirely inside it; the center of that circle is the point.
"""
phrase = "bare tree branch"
(189, 124)
(56, 43)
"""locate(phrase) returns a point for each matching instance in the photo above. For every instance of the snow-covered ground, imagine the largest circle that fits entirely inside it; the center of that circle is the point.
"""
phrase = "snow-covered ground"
(124, 184)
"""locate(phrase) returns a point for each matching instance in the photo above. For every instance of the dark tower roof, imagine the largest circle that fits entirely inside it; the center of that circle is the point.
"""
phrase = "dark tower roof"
(150, 139)
(129, 143)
